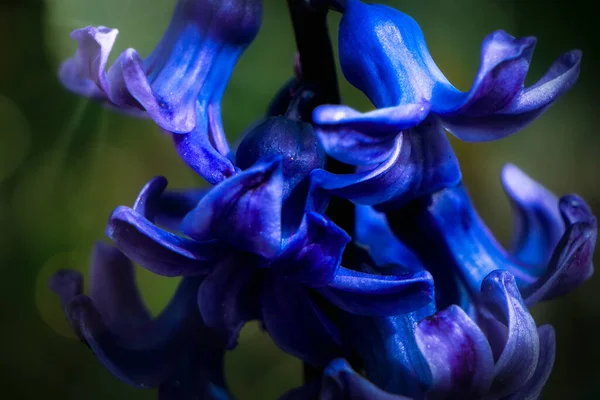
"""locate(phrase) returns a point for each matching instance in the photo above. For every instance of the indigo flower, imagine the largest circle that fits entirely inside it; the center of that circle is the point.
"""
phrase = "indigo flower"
(175, 351)
(181, 83)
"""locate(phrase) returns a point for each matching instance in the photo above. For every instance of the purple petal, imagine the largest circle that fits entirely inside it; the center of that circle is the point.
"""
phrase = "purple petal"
(296, 324)
(113, 290)
(174, 205)
(148, 355)
(369, 294)
(244, 211)
(312, 256)
(571, 263)
(537, 218)
(458, 354)
(533, 388)
(518, 361)
(421, 162)
(309, 391)
(157, 250)
(228, 297)
(340, 382)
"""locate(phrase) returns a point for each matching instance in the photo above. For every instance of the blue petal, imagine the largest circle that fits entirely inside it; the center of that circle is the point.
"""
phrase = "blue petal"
(388, 350)
(533, 388)
(312, 256)
(458, 354)
(571, 263)
(373, 231)
(228, 297)
(190, 48)
(157, 250)
(309, 391)
(421, 162)
(383, 53)
(519, 357)
(296, 324)
(174, 205)
(146, 356)
(340, 382)
(538, 222)
(243, 211)
(364, 293)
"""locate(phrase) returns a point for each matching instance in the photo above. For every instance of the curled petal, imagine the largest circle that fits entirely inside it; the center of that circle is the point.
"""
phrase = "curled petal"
(228, 297)
(174, 205)
(363, 139)
(420, 163)
(340, 382)
(312, 256)
(113, 290)
(67, 285)
(146, 356)
(157, 250)
(296, 324)
(533, 388)
(538, 222)
(571, 263)
(518, 361)
(370, 294)
(244, 211)
(145, 203)
(458, 354)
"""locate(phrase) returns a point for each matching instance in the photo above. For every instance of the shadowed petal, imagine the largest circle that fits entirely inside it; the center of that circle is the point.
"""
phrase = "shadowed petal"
(113, 290)
(157, 250)
(458, 354)
(571, 263)
(538, 225)
(518, 361)
(243, 211)
(174, 205)
(309, 391)
(296, 324)
(312, 256)
(370, 294)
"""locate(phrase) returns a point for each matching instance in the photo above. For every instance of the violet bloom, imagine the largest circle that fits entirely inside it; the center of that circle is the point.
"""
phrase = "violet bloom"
(181, 83)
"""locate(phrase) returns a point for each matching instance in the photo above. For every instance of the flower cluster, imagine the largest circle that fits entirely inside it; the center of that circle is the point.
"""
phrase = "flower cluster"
(328, 225)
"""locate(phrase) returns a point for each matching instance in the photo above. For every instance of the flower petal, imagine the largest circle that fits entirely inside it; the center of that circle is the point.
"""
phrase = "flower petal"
(518, 361)
(370, 294)
(538, 222)
(296, 324)
(340, 382)
(533, 388)
(174, 205)
(243, 211)
(422, 162)
(157, 250)
(147, 356)
(114, 292)
(571, 263)
(312, 256)
(229, 297)
(458, 354)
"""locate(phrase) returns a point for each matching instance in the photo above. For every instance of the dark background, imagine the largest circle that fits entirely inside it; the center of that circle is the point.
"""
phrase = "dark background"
(65, 163)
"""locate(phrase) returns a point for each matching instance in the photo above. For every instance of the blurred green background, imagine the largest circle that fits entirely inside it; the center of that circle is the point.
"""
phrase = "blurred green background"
(65, 163)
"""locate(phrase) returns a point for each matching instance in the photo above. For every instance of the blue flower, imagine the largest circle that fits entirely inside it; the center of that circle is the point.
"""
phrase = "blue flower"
(175, 351)
(181, 83)
(264, 256)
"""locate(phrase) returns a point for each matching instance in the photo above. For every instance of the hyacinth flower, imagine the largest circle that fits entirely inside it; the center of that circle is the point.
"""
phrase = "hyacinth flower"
(175, 352)
(181, 83)
(263, 256)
